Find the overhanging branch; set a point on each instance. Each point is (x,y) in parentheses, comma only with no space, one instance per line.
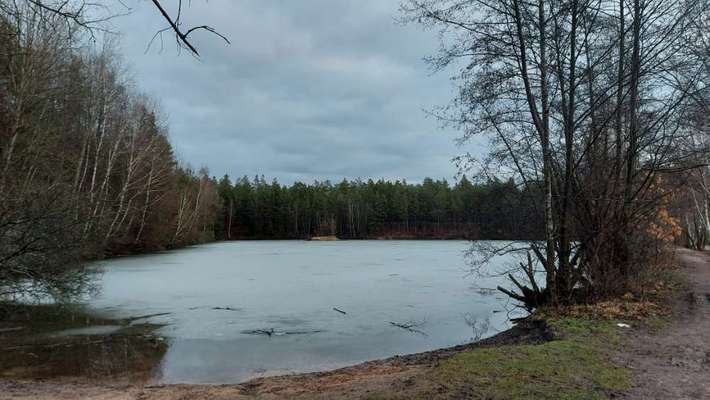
(183,38)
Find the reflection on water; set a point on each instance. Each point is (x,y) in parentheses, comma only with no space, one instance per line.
(34,344)
(98,358)
(479,327)
(228,312)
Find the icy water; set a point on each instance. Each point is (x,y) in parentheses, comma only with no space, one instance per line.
(236,310)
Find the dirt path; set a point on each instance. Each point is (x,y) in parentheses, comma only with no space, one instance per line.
(674,362)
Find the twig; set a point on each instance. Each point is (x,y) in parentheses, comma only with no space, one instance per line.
(183,37)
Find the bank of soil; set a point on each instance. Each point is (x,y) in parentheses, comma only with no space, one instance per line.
(584,360)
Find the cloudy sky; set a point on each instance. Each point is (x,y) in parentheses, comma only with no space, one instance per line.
(309,89)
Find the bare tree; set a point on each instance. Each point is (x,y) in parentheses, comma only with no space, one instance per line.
(585,100)
(86,168)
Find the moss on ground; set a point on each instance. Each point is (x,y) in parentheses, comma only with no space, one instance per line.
(575,366)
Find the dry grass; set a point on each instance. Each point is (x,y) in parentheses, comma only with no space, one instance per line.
(626,309)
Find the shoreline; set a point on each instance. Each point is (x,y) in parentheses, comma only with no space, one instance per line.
(373,238)
(583,356)
(366,373)
(112,255)
(570,357)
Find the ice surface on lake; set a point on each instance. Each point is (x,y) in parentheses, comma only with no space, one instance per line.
(242,309)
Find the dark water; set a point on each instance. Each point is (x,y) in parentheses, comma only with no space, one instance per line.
(227,312)
(65,343)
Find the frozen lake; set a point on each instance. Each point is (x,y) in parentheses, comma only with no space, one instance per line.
(237,310)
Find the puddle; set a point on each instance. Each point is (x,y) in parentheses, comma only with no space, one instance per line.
(90,358)
(66,344)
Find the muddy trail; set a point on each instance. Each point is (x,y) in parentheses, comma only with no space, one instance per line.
(674,361)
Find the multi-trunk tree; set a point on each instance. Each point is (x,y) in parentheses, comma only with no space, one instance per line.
(588,98)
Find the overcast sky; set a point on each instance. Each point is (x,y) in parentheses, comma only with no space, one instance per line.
(309,89)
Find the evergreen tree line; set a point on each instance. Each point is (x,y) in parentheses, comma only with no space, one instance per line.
(86,168)
(257,209)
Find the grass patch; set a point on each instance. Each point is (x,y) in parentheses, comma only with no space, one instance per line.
(575,366)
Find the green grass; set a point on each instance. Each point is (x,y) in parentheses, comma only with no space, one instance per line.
(575,366)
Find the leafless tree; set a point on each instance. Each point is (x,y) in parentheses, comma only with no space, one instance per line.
(585,101)
(86,168)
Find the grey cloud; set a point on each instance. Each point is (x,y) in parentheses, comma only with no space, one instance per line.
(310,89)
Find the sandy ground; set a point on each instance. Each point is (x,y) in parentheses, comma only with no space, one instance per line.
(668,363)
(674,362)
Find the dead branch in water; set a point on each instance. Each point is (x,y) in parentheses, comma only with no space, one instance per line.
(216,308)
(273,332)
(226,309)
(267,332)
(133,319)
(410,326)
